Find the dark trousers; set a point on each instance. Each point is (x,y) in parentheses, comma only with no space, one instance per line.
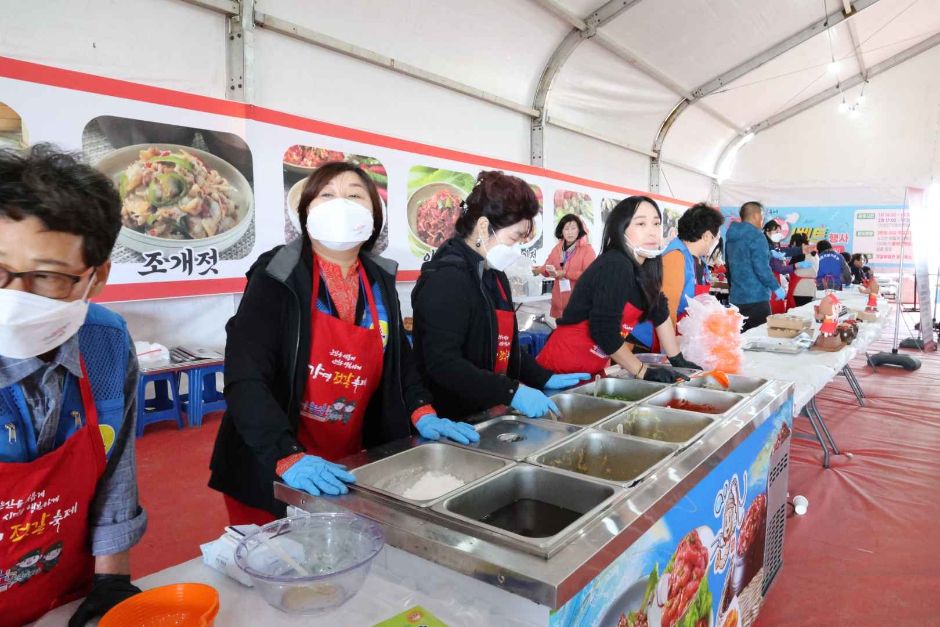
(755,314)
(802,300)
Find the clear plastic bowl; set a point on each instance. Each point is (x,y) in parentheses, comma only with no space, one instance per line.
(335,549)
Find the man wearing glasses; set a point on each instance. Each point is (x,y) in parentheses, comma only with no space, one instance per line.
(68,382)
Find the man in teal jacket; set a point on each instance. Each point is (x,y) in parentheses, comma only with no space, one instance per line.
(748,258)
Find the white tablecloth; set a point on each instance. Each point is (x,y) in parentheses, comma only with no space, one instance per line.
(811,371)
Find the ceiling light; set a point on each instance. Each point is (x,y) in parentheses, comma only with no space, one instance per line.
(833,67)
(854,112)
(843,106)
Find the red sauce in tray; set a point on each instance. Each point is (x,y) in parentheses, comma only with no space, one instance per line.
(681,403)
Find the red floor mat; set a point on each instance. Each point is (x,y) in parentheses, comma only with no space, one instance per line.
(866,551)
(182,512)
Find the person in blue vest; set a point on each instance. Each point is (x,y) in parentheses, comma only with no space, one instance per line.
(833,271)
(748,259)
(685,273)
(68,382)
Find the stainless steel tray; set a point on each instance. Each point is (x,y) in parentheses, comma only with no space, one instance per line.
(530,483)
(660,424)
(626,390)
(722,402)
(607,457)
(737,384)
(515,437)
(393,475)
(584,411)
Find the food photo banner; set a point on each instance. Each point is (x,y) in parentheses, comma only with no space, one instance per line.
(208,185)
(877,231)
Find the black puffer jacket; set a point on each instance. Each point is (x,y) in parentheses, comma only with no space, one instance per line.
(266,357)
(455,334)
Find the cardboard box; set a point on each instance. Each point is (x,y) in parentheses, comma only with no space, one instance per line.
(782,325)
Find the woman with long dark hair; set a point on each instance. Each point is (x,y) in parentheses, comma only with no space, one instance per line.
(622,288)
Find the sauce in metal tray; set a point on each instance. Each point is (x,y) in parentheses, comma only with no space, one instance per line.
(531,518)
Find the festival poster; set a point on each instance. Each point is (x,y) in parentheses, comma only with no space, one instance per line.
(207,184)
(186,195)
(702,563)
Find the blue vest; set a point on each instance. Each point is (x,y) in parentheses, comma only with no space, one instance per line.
(830,270)
(103,341)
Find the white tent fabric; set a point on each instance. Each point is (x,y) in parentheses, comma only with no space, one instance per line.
(618,86)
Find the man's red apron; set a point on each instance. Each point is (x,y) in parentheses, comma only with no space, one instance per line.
(571,349)
(344,371)
(505,328)
(45,505)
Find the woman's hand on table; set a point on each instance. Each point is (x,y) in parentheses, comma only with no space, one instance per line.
(433,428)
(531,402)
(679,361)
(565,381)
(316,476)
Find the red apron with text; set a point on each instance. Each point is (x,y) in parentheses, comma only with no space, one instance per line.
(794,280)
(777,306)
(505,327)
(344,371)
(45,559)
(571,349)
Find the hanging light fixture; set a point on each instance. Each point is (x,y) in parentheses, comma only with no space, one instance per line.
(833,67)
(843,106)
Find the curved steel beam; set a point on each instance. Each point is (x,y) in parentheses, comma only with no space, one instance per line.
(583,29)
(826,94)
(709,87)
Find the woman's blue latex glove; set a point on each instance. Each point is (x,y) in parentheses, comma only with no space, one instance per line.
(532,402)
(780,293)
(317,476)
(776,254)
(564,381)
(432,428)
(804,264)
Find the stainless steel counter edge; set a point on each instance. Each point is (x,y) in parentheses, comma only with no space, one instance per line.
(554,581)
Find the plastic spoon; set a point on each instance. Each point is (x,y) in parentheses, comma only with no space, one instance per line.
(283,556)
(597,379)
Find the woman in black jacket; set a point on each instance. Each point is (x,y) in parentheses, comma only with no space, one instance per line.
(312,379)
(466,337)
(622,288)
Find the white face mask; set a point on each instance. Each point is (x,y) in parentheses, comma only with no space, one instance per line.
(32,325)
(501,256)
(646,253)
(777,237)
(339,224)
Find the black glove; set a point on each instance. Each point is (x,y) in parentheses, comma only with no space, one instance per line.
(663,374)
(679,361)
(106,592)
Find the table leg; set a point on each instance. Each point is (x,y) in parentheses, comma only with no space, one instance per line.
(818,438)
(854,384)
(822,424)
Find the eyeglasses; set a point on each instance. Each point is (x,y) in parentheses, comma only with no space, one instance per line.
(56,285)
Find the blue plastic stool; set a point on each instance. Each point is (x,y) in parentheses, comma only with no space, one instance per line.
(526,342)
(202,398)
(538,342)
(165,404)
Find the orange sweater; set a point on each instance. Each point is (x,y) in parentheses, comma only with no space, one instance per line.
(673,281)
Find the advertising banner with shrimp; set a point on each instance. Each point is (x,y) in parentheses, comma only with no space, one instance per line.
(207,186)
(702,563)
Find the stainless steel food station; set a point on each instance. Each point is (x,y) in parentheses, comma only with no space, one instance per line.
(640,504)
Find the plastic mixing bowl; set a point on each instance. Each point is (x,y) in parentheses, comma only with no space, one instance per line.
(334,550)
